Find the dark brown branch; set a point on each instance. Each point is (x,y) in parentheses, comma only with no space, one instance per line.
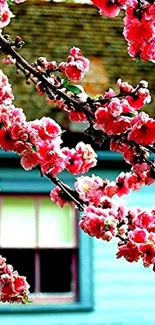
(8,48)
(150,148)
(70,193)
(121,238)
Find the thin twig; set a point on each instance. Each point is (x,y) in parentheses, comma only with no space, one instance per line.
(121,238)
(67,190)
(8,48)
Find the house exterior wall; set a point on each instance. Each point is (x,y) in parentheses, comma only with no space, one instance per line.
(123,293)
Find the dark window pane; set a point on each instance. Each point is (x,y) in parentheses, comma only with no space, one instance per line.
(22,261)
(56,270)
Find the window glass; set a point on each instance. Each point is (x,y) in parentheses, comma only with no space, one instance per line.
(56,270)
(17,222)
(23,261)
(56,225)
(39,239)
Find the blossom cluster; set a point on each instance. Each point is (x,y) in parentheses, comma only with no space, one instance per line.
(141,237)
(39,141)
(139,30)
(75,66)
(73,70)
(135,228)
(119,115)
(13,287)
(115,114)
(105,218)
(139,24)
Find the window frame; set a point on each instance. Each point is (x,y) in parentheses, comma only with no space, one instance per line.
(30,183)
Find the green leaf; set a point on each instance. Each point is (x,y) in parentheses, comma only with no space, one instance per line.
(96,97)
(137,60)
(131,114)
(106,227)
(9,2)
(28,300)
(66,82)
(34,149)
(1,125)
(74,89)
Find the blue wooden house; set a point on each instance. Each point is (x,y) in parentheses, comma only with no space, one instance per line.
(74,279)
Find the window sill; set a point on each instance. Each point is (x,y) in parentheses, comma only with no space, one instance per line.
(48,308)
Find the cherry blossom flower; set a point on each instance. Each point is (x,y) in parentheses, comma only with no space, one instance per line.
(75,116)
(129,251)
(138,235)
(74,70)
(14,288)
(143,134)
(107,7)
(6,95)
(90,189)
(80,159)
(139,30)
(56,195)
(96,222)
(76,65)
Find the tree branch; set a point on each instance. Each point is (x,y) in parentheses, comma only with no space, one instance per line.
(7,47)
(71,194)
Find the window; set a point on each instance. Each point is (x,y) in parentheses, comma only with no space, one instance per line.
(43,242)
(40,240)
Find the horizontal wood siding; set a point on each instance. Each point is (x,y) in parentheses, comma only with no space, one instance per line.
(124,293)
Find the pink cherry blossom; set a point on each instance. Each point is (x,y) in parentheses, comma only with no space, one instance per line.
(124,87)
(143,134)
(77,116)
(6,15)
(46,127)
(97,223)
(90,189)
(139,31)
(6,95)
(138,235)
(9,60)
(115,107)
(14,288)
(107,8)
(129,251)
(74,70)
(141,98)
(51,160)
(80,159)
(56,195)
(29,161)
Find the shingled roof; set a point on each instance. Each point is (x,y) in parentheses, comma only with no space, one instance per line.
(50,29)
